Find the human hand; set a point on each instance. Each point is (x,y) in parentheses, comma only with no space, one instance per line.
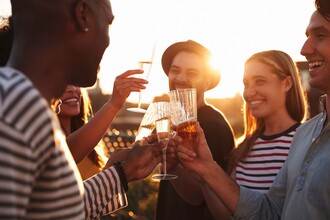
(171,158)
(141,160)
(119,154)
(124,85)
(195,162)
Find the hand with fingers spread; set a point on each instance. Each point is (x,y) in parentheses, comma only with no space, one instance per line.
(124,85)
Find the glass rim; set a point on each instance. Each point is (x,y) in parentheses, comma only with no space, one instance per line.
(183,89)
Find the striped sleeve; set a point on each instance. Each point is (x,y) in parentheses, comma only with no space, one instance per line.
(104,194)
(36,181)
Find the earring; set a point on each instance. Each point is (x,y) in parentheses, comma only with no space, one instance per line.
(86,29)
(58,108)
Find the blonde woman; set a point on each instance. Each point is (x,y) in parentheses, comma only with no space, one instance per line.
(274,108)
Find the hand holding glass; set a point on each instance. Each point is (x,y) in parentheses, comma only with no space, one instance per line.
(145,66)
(163,128)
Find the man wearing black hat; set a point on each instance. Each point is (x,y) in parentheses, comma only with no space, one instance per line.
(187,65)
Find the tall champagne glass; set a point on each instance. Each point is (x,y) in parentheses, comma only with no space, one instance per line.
(145,65)
(147,124)
(163,128)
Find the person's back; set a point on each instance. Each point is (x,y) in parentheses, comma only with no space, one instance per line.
(40,179)
(34,173)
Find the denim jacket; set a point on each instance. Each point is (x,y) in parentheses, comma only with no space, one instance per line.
(301,189)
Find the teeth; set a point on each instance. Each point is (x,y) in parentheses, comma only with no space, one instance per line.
(314,64)
(71,100)
(256,102)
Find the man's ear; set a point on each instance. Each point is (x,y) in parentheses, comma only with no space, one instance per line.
(82,12)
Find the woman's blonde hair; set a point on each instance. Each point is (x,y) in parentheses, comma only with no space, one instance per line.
(283,66)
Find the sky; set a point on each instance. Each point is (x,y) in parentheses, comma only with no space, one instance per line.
(232,30)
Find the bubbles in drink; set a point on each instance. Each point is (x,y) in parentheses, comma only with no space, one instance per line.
(146,66)
(144,131)
(187,129)
(163,127)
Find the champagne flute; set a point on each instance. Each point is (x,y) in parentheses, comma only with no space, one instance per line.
(145,65)
(147,124)
(163,128)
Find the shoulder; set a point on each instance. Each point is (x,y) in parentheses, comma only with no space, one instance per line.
(208,116)
(21,105)
(311,122)
(208,112)
(217,129)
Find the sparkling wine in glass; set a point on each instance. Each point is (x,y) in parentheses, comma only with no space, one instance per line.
(163,128)
(145,65)
(147,124)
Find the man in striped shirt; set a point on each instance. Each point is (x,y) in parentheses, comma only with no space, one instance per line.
(53,47)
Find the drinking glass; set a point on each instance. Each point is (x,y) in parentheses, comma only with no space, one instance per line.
(184,115)
(163,128)
(144,65)
(147,124)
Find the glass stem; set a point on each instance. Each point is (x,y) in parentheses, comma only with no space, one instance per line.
(139,104)
(164,160)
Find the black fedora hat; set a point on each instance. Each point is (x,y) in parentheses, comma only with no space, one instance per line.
(194,47)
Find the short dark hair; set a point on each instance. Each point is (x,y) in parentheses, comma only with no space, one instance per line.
(6,40)
(323,7)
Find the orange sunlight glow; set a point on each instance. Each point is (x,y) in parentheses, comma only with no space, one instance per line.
(232,30)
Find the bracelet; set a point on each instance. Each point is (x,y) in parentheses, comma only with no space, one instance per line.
(121,175)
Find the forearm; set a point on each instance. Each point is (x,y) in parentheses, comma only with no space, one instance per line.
(83,141)
(103,194)
(187,186)
(222,185)
(216,207)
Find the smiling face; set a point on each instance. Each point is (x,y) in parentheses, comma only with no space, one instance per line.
(317,52)
(264,92)
(71,102)
(187,71)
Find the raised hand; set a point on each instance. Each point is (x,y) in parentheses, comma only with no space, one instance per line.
(124,85)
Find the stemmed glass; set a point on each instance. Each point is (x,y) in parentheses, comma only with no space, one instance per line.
(145,65)
(163,128)
(147,124)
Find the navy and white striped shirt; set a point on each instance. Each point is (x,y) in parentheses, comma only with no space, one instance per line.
(38,176)
(258,170)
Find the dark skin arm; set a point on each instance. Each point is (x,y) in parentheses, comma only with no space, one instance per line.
(83,141)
